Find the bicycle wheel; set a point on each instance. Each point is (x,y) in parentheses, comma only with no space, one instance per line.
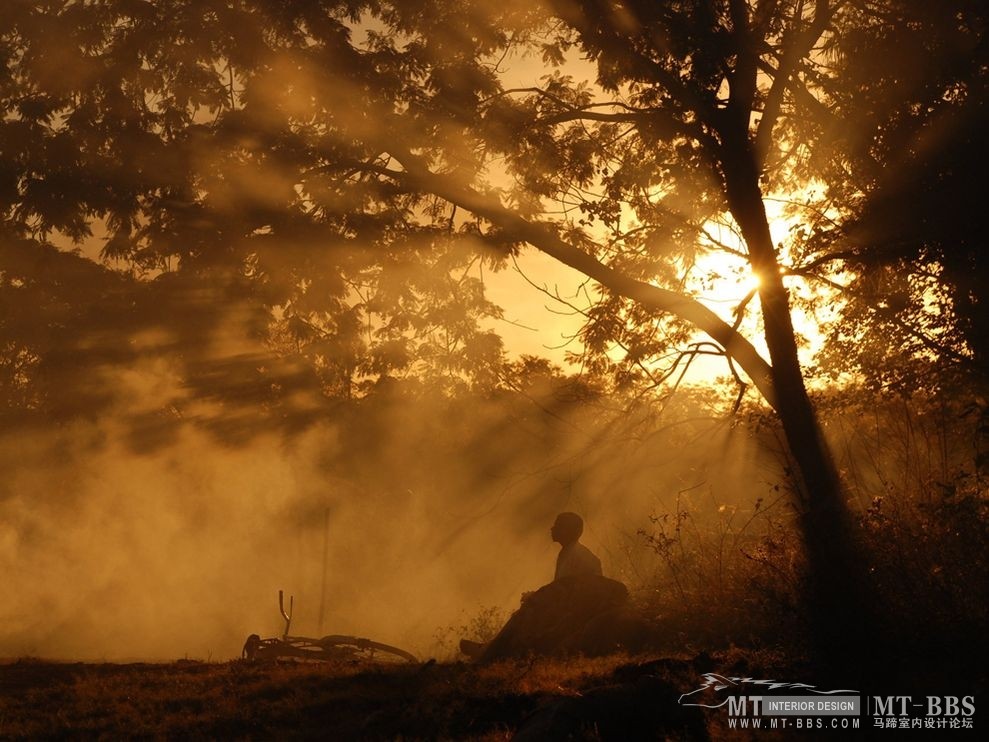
(367,647)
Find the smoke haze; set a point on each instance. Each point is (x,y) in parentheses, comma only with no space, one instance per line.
(429,508)
(268,372)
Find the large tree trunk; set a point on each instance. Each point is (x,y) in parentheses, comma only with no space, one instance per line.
(840,610)
(837,601)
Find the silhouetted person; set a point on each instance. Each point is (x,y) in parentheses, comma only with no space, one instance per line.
(575,612)
(574,559)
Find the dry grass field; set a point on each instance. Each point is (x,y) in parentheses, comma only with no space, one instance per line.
(617,697)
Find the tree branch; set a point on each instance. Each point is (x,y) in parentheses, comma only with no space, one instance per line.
(545,238)
(791,56)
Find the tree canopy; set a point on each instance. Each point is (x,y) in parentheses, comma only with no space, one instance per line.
(350,164)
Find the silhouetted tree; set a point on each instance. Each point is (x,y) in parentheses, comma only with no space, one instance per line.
(346,165)
(907,92)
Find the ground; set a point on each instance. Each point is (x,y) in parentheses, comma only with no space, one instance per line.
(616,697)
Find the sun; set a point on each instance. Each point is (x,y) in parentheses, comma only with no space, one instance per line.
(721,277)
(719,274)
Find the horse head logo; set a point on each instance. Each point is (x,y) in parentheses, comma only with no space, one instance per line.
(717,689)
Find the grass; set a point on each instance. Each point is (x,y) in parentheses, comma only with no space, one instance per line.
(240,700)
(617,697)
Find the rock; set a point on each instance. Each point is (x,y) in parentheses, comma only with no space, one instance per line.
(588,614)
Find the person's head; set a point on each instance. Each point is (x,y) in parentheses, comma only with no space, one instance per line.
(567,528)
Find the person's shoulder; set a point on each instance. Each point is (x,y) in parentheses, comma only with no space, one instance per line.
(589,556)
(585,551)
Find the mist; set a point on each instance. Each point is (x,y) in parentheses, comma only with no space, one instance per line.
(235,404)
(429,509)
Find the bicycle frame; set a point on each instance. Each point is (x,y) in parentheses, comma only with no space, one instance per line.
(327,648)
